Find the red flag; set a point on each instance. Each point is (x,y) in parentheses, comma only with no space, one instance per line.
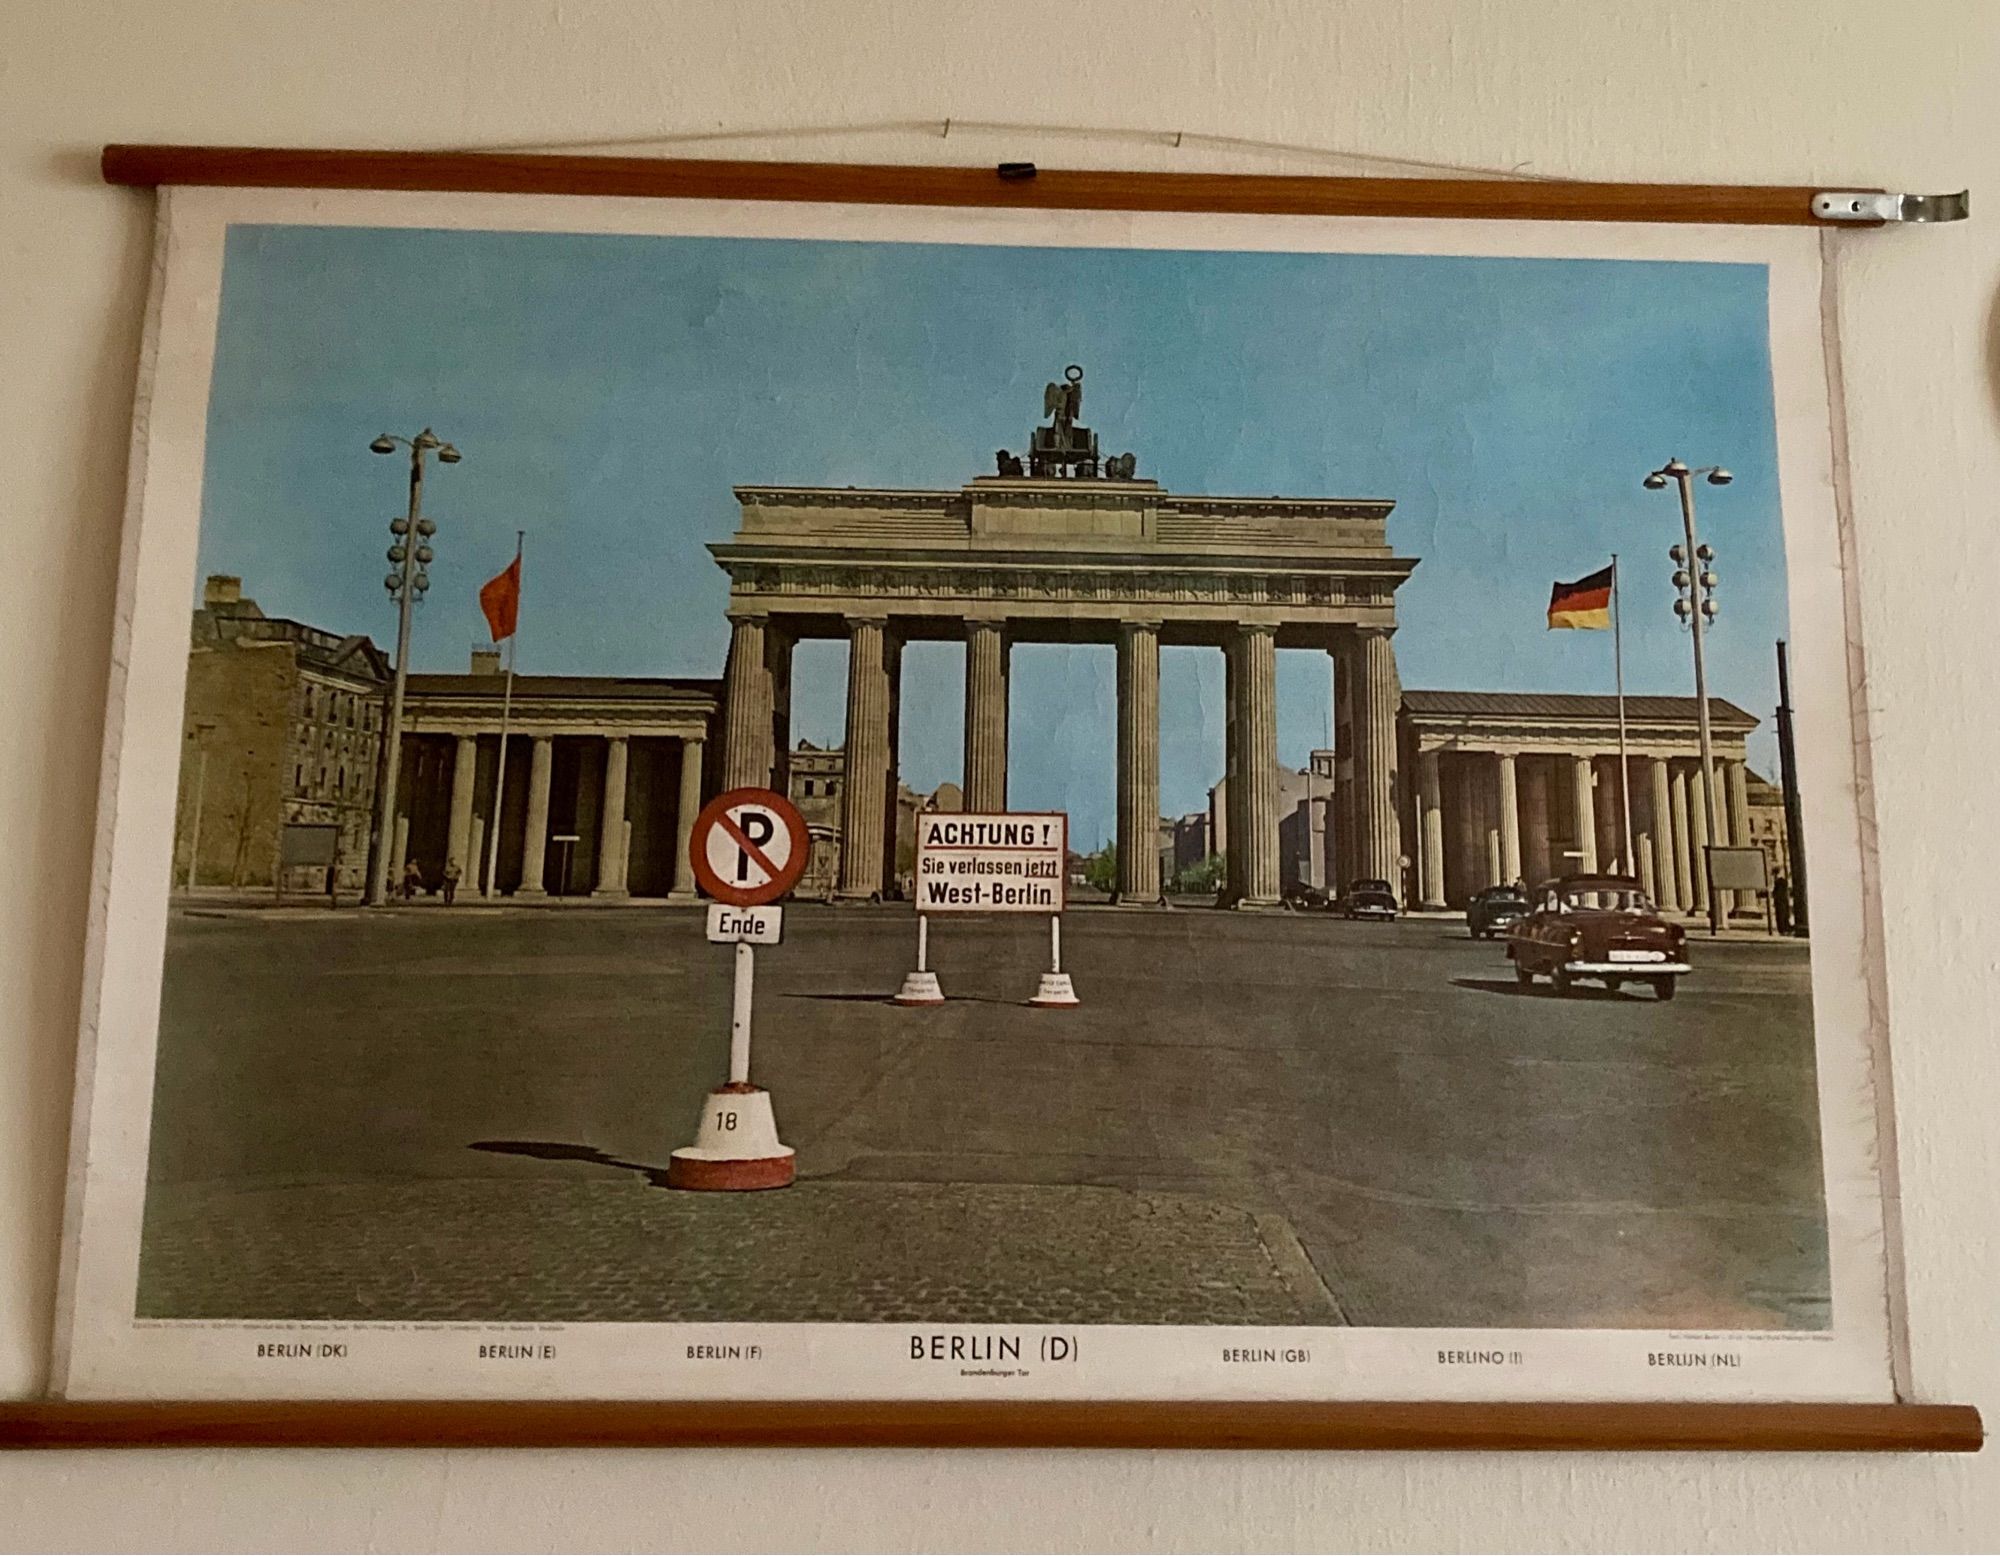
(500,598)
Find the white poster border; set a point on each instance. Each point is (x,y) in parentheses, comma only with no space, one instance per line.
(102,1351)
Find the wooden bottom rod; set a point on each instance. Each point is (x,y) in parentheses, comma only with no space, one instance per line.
(1012,1424)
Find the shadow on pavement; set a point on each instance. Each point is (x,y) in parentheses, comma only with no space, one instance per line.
(885,999)
(1538,990)
(562,1151)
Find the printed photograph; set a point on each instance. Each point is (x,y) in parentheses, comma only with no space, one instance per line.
(1385,657)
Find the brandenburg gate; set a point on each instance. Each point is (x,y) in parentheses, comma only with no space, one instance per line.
(1068,547)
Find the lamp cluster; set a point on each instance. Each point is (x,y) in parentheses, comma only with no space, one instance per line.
(1694,564)
(1694,588)
(399,553)
(409,554)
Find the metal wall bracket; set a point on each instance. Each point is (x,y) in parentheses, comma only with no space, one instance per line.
(1874,206)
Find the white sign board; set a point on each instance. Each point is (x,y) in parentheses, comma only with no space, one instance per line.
(745,926)
(998,863)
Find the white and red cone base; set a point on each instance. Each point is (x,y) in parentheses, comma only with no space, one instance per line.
(736,1147)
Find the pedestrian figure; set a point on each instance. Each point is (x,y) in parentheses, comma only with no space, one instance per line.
(413,880)
(451,875)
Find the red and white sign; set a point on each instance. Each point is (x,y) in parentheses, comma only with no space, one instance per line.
(1009,862)
(750,847)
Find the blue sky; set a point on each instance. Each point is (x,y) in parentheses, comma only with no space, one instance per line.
(608,392)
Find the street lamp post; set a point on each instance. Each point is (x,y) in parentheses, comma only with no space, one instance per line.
(409,553)
(202,730)
(1695,604)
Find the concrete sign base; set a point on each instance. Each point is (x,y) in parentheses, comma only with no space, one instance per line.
(920,988)
(736,1147)
(1055,989)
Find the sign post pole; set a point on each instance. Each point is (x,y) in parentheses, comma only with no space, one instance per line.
(921,987)
(739,1014)
(1056,988)
(749,848)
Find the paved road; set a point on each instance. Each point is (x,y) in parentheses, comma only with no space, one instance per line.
(1270,1119)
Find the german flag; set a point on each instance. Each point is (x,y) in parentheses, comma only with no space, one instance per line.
(1585,603)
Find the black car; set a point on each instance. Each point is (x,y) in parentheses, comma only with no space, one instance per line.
(1368,899)
(1303,897)
(1495,909)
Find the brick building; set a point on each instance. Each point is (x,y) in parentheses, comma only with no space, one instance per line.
(281,729)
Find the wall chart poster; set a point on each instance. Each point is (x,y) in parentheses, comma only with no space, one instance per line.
(1348,961)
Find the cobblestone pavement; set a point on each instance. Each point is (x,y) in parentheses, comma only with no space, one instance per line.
(465,1107)
(550,1252)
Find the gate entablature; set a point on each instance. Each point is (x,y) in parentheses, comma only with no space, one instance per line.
(1061,560)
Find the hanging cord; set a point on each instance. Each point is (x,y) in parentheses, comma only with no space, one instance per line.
(945,128)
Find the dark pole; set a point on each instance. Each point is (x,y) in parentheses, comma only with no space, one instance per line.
(1711,801)
(1788,771)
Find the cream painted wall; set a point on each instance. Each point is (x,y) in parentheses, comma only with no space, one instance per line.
(1904,94)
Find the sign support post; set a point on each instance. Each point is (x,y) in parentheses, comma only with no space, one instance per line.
(1056,987)
(921,987)
(739,1014)
(749,848)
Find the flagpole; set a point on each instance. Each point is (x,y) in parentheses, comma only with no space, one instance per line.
(1624,766)
(506,714)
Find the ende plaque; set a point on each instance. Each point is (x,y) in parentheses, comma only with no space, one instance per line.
(997,863)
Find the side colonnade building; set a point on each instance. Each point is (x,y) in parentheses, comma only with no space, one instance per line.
(605,775)
(1522,786)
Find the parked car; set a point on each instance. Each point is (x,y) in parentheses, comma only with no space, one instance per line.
(1304,897)
(1368,899)
(1494,909)
(1599,927)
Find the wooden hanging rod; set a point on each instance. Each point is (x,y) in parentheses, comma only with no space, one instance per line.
(1011,1424)
(265,167)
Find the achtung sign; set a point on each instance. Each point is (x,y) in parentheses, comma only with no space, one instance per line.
(1000,863)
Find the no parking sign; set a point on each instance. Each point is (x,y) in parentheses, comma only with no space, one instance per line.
(749,846)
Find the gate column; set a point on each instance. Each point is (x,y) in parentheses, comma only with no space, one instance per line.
(986,656)
(865,760)
(1377,692)
(1139,761)
(1254,690)
(747,755)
